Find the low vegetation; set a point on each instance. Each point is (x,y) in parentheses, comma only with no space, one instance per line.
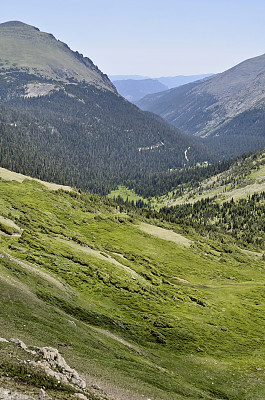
(166,321)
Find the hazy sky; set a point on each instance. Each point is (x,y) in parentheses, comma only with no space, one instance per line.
(150,37)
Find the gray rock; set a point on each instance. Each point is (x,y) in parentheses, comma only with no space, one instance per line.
(55,361)
(20,343)
(53,365)
(6,394)
(81,396)
(43,395)
(23,346)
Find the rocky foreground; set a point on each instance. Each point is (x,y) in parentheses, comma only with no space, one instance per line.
(50,362)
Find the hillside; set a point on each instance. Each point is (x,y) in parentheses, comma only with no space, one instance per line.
(139,311)
(228,197)
(70,126)
(226,111)
(231,201)
(24,47)
(243,177)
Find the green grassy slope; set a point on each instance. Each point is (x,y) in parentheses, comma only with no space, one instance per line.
(8,175)
(240,179)
(245,177)
(153,318)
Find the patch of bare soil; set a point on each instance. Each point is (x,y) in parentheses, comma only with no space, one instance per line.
(165,234)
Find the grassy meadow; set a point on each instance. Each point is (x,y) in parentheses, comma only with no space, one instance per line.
(138,314)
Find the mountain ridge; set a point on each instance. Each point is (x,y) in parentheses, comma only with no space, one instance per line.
(135,87)
(222,103)
(74,131)
(43,61)
(169,81)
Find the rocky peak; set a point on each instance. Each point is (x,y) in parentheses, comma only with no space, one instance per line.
(25,48)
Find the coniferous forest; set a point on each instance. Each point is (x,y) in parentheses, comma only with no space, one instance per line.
(244,219)
(86,137)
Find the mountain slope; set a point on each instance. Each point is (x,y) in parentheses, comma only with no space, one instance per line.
(234,179)
(32,51)
(70,126)
(179,80)
(230,201)
(227,110)
(139,311)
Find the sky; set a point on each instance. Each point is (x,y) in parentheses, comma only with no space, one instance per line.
(150,37)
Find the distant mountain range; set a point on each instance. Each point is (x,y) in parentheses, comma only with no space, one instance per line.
(226,110)
(62,119)
(169,81)
(133,90)
(134,87)
(125,77)
(175,81)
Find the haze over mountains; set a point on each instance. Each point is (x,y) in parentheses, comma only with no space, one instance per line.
(134,87)
(226,110)
(63,120)
(134,90)
(169,81)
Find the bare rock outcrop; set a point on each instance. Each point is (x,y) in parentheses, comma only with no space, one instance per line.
(55,365)
(6,394)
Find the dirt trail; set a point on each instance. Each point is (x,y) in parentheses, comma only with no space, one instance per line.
(165,234)
(11,224)
(7,175)
(181,279)
(98,254)
(115,337)
(36,271)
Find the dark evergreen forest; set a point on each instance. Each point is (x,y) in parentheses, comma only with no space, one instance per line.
(86,137)
(243,219)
